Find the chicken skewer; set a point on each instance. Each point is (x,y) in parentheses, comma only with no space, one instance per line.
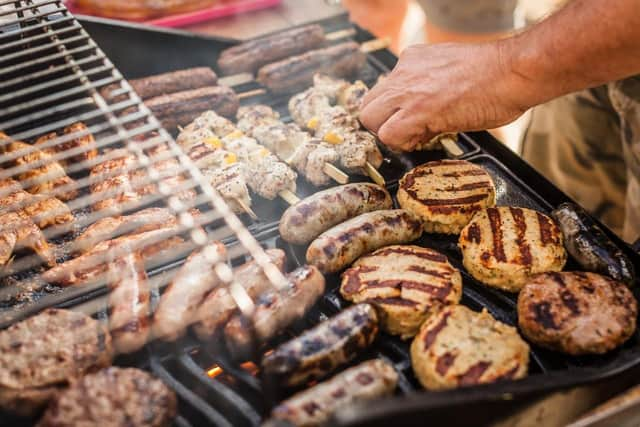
(218,165)
(265,174)
(358,149)
(350,95)
(310,156)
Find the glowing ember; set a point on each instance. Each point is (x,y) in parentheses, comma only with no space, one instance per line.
(250,367)
(214,371)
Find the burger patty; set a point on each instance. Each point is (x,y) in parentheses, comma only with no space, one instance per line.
(576,312)
(446,194)
(504,246)
(113,397)
(43,353)
(460,347)
(405,283)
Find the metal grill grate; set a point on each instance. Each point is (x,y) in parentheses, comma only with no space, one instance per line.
(51,75)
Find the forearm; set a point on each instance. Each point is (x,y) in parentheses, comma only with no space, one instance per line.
(587,43)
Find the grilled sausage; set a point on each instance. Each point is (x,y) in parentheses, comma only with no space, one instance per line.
(314,406)
(181,108)
(321,350)
(588,244)
(339,246)
(178,304)
(175,81)
(216,310)
(251,55)
(307,219)
(296,73)
(274,311)
(129,304)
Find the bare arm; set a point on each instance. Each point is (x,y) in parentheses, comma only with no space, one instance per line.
(456,87)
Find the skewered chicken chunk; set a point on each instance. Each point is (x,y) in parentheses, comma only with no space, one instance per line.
(225,174)
(265,173)
(312,110)
(48,176)
(306,154)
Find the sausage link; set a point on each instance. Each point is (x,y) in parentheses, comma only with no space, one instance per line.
(339,246)
(179,302)
(306,220)
(315,406)
(296,73)
(587,243)
(181,108)
(247,57)
(274,312)
(216,310)
(321,350)
(175,81)
(129,303)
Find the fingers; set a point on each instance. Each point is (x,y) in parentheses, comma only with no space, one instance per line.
(378,111)
(403,132)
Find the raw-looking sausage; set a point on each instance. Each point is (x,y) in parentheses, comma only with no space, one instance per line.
(179,302)
(314,406)
(307,219)
(339,246)
(216,310)
(274,311)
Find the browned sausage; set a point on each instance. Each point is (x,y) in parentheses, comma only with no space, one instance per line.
(175,81)
(249,56)
(181,108)
(296,73)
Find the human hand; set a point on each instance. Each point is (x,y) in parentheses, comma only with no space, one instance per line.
(443,88)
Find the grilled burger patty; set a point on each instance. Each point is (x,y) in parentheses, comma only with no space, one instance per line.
(576,312)
(43,353)
(446,194)
(113,397)
(405,283)
(460,347)
(503,247)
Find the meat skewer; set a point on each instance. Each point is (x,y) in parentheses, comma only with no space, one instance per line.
(350,95)
(220,166)
(311,157)
(249,56)
(265,174)
(358,149)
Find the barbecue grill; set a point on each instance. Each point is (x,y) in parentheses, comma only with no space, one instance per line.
(51,74)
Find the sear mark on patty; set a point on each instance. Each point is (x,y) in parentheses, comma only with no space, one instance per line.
(473,374)
(543,315)
(496,230)
(430,337)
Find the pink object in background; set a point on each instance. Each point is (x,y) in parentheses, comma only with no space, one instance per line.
(227,8)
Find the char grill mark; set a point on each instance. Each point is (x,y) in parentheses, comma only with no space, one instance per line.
(546,229)
(455,201)
(521,229)
(392,301)
(430,337)
(474,233)
(467,187)
(496,231)
(422,270)
(543,315)
(445,362)
(421,254)
(473,374)
(468,172)
(510,374)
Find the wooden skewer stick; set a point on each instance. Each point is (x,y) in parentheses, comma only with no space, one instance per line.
(375,44)
(341,34)
(251,93)
(336,174)
(289,197)
(375,175)
(246,208)
(451,146)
